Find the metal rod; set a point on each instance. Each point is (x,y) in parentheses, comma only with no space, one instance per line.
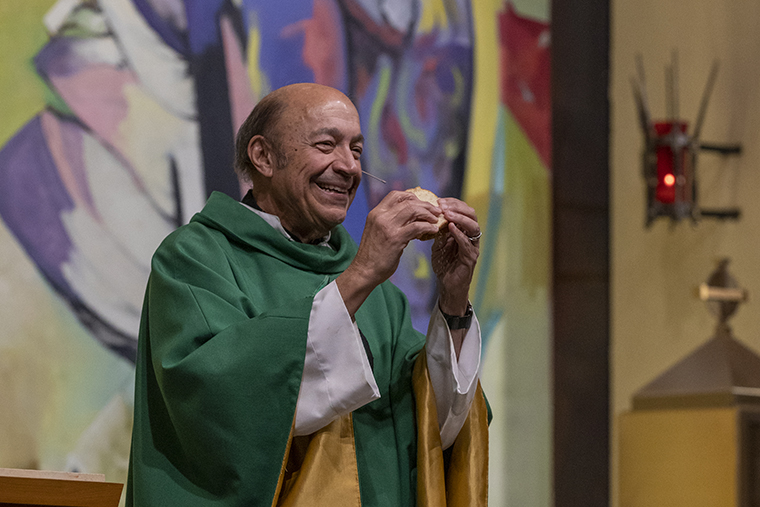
(675,92)
(373,176)
(723,149)
(643,117)
(643,89)
(721,214)
(712,293)
(669,93)
(705,99)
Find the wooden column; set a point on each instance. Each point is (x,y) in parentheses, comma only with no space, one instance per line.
(580,131)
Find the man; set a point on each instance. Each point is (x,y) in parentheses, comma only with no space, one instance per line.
(277,366)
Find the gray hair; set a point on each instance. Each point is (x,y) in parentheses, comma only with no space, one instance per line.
(263,121)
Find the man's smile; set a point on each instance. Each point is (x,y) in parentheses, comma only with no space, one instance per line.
(332,188)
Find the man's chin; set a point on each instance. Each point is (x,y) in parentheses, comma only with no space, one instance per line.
(335,212)
(333,222)
(330,221)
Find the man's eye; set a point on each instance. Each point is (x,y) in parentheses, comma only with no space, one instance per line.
(357,151)
(325,145)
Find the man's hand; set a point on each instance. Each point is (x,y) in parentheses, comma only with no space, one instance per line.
(391,225)
(455,253)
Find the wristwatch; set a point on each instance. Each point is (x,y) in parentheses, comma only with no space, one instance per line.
(456,322)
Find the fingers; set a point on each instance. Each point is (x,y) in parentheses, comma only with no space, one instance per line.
(463,216)
(468,248)
(455,253)
(412,217)
(455,205)
(403,211)
(396,220)
(410,202)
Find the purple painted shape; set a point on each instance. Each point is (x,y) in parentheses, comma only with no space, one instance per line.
(59,57)
(32,199)
(171,34)
(71,149)
(203,24)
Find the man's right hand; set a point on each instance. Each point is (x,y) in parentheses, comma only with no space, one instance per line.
(391,225)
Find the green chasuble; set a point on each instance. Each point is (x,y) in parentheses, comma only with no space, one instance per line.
(220,358)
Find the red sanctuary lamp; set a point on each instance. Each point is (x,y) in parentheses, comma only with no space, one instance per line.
(673,173)
(670,153)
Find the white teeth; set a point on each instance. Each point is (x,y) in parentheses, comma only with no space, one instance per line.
(332,189)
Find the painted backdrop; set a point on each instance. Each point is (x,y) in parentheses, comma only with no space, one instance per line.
(116,122)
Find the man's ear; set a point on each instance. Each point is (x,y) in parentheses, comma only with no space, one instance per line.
(261,155)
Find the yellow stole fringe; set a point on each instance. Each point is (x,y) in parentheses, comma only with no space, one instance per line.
(320,470)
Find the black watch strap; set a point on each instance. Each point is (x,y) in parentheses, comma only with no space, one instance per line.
(456,322)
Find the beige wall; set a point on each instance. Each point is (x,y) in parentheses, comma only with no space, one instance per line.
(656,319)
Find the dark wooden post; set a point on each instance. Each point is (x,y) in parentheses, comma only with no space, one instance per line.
(580,131)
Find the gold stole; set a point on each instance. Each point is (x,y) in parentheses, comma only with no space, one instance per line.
(465,483)
(320,470)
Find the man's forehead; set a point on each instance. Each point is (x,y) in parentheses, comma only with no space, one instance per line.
(304,96)
(333,118)
(311,108)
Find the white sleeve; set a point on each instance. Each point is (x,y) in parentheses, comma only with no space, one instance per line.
(337,378)
(454,382)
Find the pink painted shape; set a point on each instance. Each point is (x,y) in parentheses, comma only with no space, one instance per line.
(64,141)
(323,49)
(525,77)
(96,95)
(241,96)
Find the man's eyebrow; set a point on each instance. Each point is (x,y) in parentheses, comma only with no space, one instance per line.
(334,132)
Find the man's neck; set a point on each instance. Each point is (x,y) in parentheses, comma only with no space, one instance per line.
(250,200)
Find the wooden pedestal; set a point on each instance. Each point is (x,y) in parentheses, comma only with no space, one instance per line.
(35,488)
(695,457)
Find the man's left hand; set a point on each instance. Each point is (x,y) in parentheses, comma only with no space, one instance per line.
(455,252)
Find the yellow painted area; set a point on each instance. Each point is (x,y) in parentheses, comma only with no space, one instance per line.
(522,157)
(524,235)
(373,132)
(528,189)
(512,277)
(22,34)
(485,97)
(55,377)
(679,457)
(257,78)
(433,15)
(423,268)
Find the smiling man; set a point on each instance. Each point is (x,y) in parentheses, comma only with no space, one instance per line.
(278,366)
(306,170)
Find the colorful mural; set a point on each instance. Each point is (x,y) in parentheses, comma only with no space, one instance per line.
(407,65)
(508,181)
(122,123)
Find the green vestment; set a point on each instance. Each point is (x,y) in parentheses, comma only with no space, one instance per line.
(220,358)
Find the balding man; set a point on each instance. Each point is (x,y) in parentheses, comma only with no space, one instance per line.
(276,363)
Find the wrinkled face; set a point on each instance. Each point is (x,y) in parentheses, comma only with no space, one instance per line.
(321,146)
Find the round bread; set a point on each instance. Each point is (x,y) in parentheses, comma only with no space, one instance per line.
(428,196)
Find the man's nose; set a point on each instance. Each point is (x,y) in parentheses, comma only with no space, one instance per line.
(346,162)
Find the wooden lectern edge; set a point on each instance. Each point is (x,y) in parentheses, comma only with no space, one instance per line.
(51,474)
(36,488)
